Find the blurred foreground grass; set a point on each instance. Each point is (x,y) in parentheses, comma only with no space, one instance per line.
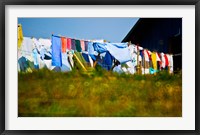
(98,94)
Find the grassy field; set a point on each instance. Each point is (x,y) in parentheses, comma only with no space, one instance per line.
(98,94)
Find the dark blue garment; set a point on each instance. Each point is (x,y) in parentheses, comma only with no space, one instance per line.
(86,57)
(108,61)
(86,45)
(73,47)
(56,51)
(141,53)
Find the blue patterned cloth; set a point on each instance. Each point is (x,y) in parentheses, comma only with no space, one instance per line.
(119,51)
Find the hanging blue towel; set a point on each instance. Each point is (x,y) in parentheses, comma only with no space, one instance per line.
(56,51)
(119,51)
(91,51)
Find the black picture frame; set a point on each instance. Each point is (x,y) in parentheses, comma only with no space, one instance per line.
(100,2)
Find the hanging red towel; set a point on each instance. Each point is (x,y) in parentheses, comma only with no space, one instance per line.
(166,60)
(64,44)
(160,62)
(69,43)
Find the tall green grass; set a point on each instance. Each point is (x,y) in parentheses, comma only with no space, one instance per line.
(99,93)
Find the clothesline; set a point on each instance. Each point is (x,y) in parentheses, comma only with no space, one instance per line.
(89,40)
(115,50)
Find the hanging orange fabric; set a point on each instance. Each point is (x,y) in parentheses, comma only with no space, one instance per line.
(64,44)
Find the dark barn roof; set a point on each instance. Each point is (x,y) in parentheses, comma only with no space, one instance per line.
(156,34)
(159,34)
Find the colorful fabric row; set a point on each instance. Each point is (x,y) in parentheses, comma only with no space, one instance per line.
(147,59)
(36,51)
(73,44)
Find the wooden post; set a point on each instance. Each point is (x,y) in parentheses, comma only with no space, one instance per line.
(95,63)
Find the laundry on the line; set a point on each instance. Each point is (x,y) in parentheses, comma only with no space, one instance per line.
(58,52)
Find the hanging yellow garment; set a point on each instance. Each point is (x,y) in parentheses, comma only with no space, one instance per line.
(20,35)
(154,61)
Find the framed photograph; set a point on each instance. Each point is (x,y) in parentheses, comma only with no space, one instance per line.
(103,67)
